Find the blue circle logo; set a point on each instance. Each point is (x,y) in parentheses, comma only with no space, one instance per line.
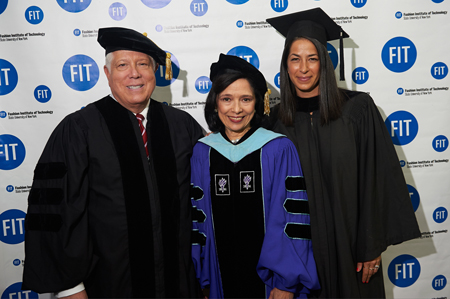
(239,24)
(34,15)
(440,143)
(80,72)
(245,53)
(42,94)
(160,73)
(237,2)
(437,1)
(74,5)
(360,75)
(399,54)
(439,70)
(402,126)
(76,32)
(8,77)
(276,80)
(400,91)
(12,224)
(358,3)
(439,282)
(402,163)
(440,215)
(199,7)
(203,84)
(10,188)
(333,54)
(414,195)
(156,3)
(159,28)
(12,152)
(398,15)
(404,270)
(3,5)
(16,262)
(15,291)
(3,114)
(117,11)
(279,5)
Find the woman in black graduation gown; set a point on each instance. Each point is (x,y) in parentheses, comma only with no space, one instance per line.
(359,202)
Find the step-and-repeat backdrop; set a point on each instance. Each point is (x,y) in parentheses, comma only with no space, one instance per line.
(52,65)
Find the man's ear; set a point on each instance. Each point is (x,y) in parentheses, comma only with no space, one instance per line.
(105,69)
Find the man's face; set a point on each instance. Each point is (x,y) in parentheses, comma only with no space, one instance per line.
(131,79)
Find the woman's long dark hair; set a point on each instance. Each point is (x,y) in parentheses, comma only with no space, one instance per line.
(220,84)
(331,98)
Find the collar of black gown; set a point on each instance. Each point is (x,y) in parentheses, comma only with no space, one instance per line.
(307,104)
(247,134)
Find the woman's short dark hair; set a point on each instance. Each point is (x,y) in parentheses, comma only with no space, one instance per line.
(331,98)
(221,82)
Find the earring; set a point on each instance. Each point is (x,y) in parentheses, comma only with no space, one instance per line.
(215,110)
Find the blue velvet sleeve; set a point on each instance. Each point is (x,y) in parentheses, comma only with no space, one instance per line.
(286,261)
(203,244)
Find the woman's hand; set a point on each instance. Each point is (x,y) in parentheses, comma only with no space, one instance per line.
(369,268)
(279,294)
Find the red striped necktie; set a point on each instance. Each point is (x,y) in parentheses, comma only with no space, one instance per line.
(140,118)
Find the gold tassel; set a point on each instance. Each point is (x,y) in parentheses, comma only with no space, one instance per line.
(266,102)
(145,34)
(169,74)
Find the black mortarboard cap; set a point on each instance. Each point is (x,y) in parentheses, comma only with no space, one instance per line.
(231,62)
(234,63)
(313,23)
(117,38)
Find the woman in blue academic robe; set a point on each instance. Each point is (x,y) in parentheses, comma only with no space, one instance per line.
(251,232)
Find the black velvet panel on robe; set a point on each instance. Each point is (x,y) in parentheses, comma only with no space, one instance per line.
(136,198)
(238,216)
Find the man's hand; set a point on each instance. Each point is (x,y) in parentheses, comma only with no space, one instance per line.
(79,295)
(279,294)
(369,268)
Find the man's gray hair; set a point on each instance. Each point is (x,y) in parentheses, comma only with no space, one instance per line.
(110,56)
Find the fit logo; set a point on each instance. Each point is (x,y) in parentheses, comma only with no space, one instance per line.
(279,5)
(399,54)
(12,224)
(402,126)
(8,77)
(203,84)
(117,11)
(12,152)
(404,270)
(199,7)
(439,70)
(34,15)
(80,72)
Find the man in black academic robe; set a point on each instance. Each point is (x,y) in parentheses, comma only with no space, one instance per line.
(106,218)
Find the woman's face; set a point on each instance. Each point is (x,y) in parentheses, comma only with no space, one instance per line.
(303,67)
(236,108)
